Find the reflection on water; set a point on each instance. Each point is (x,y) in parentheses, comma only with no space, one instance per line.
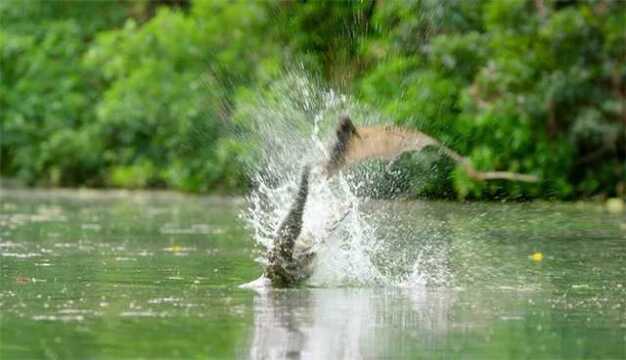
(345,323)
(426,323)
(138,275)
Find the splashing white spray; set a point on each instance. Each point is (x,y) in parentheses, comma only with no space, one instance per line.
(287,129)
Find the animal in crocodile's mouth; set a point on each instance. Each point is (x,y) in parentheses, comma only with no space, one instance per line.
(289,261)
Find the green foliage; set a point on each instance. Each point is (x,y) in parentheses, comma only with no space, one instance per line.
(142,105)
(520,89)
(45,94)
(166,89)
(324,36)
(131,94)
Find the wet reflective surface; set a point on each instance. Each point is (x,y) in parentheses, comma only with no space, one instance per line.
(126,275)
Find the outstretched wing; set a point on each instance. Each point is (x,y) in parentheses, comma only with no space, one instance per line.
(355,145)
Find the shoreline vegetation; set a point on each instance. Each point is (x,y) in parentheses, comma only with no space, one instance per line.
(152,94)
(597,203)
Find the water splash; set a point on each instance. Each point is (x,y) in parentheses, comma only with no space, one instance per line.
(290,126)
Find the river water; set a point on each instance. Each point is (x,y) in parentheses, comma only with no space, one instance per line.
(108,275)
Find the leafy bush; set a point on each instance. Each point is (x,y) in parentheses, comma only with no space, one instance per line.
(523,89)
(166,96)
(45,94)
(132,94)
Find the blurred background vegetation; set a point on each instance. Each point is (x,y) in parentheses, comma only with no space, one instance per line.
(140,94)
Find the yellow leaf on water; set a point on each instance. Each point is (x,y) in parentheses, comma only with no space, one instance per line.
(174,248)
(615,205)
(536,256)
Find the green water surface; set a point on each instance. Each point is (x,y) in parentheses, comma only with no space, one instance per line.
(110,275)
